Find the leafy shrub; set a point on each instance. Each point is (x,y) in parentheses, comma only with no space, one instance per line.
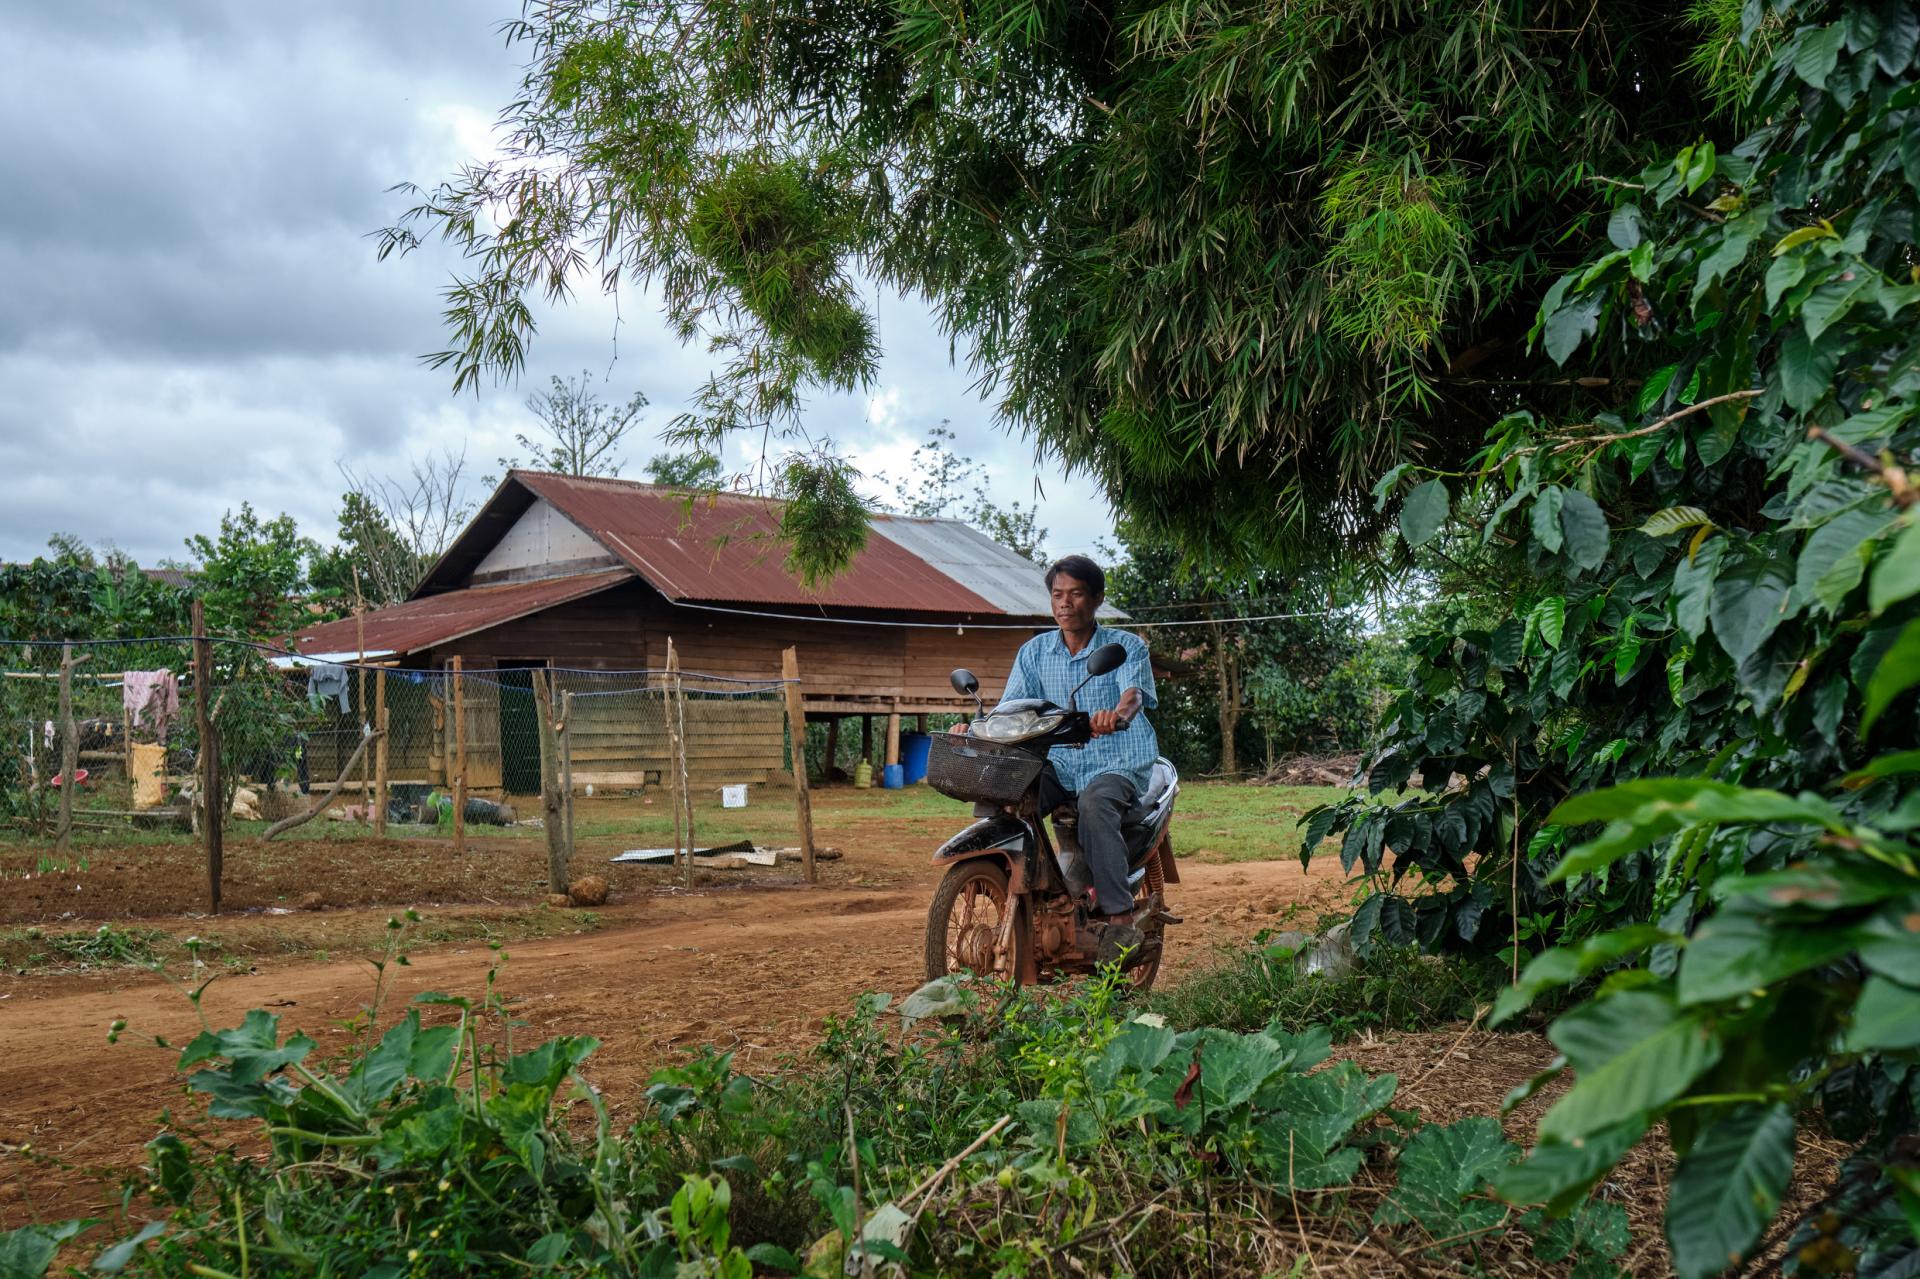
(1717,578)
(976,1131)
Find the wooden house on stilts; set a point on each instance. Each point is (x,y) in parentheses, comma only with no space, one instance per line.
(587,577)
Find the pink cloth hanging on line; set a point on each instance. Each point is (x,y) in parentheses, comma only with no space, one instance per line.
(151,693)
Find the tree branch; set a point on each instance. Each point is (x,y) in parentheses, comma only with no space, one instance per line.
(333,791)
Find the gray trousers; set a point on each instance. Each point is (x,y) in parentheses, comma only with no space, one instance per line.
(1101,805)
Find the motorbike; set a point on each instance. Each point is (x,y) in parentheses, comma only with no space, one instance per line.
(1015,903)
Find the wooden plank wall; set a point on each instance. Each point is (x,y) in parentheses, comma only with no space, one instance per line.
(620,737)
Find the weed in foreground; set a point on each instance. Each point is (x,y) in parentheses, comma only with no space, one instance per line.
(968,1130)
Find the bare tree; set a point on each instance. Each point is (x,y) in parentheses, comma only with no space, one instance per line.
(395,527)
(578,434)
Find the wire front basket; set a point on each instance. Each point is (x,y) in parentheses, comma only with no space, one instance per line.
(974,769)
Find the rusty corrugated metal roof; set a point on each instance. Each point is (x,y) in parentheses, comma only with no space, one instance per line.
(437,619)
(728,550)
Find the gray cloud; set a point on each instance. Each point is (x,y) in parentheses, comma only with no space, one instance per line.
(193,316)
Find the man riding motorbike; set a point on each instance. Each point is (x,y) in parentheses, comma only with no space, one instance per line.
(1102,779)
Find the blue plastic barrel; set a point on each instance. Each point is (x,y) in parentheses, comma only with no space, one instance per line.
(913,755)
(894,777)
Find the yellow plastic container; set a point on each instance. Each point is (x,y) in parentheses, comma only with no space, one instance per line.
(863,775)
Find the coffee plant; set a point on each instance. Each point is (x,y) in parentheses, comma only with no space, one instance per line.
(1678,761)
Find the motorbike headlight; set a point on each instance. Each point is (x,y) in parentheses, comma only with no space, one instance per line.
(1016,726)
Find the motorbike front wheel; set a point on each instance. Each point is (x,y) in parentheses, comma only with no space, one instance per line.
(969,910)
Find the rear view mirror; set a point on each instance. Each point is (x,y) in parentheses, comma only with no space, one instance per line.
(964,682)
(1108,657)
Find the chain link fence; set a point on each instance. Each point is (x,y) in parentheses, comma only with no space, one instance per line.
(389,747)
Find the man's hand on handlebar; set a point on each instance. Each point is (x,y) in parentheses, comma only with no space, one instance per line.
(1117,719)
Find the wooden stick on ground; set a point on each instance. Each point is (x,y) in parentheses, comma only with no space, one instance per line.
(333,792)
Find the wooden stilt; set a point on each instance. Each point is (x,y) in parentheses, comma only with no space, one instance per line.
(833,749)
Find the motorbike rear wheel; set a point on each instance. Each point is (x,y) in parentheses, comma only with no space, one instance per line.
(1142,974)
(964,921)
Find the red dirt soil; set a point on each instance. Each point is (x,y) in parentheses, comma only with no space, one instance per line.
(752,968)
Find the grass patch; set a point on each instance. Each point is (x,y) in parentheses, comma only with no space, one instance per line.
(1235,822)
(1393,990)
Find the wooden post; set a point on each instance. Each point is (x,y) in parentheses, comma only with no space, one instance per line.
(360,676)
(211,828)
(566,770)
(676,779)
(866,738)
(833,749)
(69,747)
(460,758)
(381,760)
(797,726)
(893,736)
(545,716)
(920,722)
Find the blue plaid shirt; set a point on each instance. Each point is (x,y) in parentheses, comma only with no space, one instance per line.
(1044,668)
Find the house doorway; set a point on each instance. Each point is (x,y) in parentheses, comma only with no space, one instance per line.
(519,728)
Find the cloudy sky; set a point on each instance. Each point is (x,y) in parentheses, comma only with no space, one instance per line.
(192,316)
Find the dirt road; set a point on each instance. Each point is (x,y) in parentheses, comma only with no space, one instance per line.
(753,970)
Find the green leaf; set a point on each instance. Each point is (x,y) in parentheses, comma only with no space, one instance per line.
(1897,672)
(1872,424)
(1559,1174)
(1585,528)
(1632,1053)
(1826,884)
(1741,948)
(1749,603)
(1814,59)
(1444,1173)
(1674,519)
(1630,798)
(1507,644)
(1546,516)
(1783,274)
(1424,511)
(1549,617)
(27,1252)
(1595,1234)
(1569,323)
(1833,547)
(1897,576)
(1693,580)
(1806,369)
(1564,965)
(1886,1017)
(115,1259)
(1623,226)
(1829,303)
(768,1254)
(1890,944)
(1799,236)
(1384,488)
(1727,1188)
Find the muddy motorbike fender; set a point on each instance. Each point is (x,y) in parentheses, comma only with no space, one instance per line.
(1002,835)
